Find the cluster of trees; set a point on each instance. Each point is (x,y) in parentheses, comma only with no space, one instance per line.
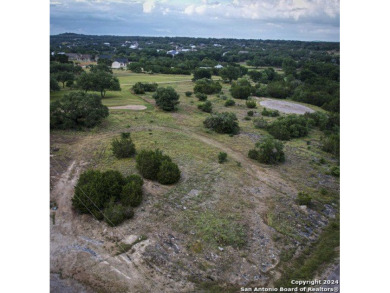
(140,88)
(63,72)
(77,110)
(108,195)
(99,79)
(225,122)
(154,165)
(207,86)
(268,151)
(166,98)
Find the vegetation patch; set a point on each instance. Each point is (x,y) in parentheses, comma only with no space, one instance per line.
(77,110)
(288,127)
(314,257)
(268,151)
(107,195)
(225,122)
(154,165)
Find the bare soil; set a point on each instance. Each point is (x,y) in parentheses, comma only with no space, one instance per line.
(285,107)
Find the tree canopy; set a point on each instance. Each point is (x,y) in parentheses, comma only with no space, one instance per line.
(76,110)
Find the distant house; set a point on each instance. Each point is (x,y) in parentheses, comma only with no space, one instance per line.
(134,46)
(106,44)
(219,66)
(243,52)
(79,57)
(85,57)
(119,63)
(172,52)
(72,56)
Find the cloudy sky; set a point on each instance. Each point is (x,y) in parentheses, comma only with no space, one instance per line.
(305,20)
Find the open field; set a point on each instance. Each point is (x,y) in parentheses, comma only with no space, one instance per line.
(250,205)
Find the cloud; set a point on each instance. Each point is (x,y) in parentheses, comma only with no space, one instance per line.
(148,6)
(273,19)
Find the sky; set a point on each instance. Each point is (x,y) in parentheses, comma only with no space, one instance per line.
(305,20)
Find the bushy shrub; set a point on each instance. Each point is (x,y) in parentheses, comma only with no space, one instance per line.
(260,123)
(270,113)
(154,165)
(123,148)
(132,191)
(107,195)
(331,144)
(207,86)
(279,89)
(206,107)
(77,110)
(116,213)
(148,163)
(141,88)
(251,104)
(222,157)
(241,89)
(188,94)
(250,113)
(268,151)
(166,98)
(291,126)
(224,122)
(229,103)
(201,73)
(168,173)
(201,97)
(303,199)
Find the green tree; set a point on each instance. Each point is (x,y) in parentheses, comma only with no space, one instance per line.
(100,81)
(201,73)
(207,86)
(166,98)
(64,76)
(76,110)
(54,84)
(230,73)
(241,89)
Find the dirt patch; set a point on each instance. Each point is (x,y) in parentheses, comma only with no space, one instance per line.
(129,107)
(285,107)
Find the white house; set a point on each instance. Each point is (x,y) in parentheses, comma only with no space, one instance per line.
(119,63)
(219,66)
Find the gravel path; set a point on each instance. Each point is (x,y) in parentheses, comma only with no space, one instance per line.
(285,107)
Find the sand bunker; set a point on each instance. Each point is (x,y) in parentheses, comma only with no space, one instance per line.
(128,107)
(286,107)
